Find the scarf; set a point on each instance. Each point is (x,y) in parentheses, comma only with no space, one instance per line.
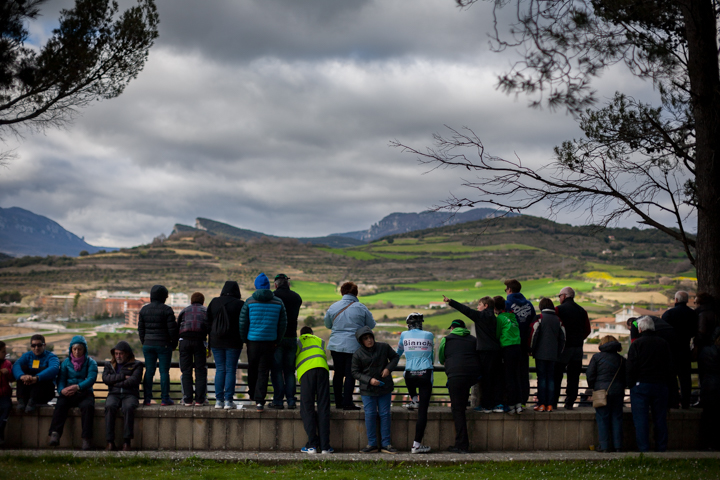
(77,363)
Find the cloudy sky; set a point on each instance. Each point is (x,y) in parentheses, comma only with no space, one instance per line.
(276,116)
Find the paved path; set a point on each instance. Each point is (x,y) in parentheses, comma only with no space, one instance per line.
(429,458)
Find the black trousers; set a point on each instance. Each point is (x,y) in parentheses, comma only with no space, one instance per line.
(459,389)
(315,386)
(85,401)
(710,422)
(128,404)
(343,381)
(420,381)
(260,360)
(573,369)
(193,355)
(682,363)
(491,380)
(523,373)
(511,360)
(39,393)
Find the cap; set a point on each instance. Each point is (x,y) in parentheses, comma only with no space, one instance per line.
(458,324)
(282,276)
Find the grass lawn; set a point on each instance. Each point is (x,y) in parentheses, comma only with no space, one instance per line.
(50,468)
(316,291)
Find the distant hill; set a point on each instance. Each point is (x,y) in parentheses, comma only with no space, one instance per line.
(228,231)
(397,223)
(23,232)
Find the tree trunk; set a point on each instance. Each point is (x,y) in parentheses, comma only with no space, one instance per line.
(704,75)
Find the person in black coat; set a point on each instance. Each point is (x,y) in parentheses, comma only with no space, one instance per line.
(159,336)
(577,328)
(282,373)
(224,342)
(684,321)
(709,361)
(606,371)
(122,375)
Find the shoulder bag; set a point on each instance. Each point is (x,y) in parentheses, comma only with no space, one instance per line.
(600,396)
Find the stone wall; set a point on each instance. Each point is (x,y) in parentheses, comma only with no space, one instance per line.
(205,428)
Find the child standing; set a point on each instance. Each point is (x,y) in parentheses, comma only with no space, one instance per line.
(6,377)
(509,337)
(194,328)
(314,376)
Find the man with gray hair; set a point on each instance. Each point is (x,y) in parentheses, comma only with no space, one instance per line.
(577,328)
(649,368)
(684,321)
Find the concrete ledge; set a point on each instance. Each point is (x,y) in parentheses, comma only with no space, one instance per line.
(192,429)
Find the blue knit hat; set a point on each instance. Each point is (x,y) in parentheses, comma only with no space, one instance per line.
(262,282)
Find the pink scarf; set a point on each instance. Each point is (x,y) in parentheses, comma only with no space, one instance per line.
(77,362)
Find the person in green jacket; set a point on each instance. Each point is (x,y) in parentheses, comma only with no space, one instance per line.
(313,374)
(508,333)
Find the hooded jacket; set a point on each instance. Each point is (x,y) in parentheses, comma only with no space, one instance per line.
(263,318)
(368,363)
(84,378)
(576,322)
(230,299)
(156,321)
(344,322)
(547,339)
(459,355)
(523,310)
(292,302)
(486,326)
(47,369)
(123,379)
(604,366)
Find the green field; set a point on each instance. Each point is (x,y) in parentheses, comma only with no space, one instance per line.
(316,291)
(193,468)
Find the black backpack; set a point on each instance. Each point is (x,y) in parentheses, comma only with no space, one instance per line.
(221,325)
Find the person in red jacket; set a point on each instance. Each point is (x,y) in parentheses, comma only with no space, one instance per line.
(6,377)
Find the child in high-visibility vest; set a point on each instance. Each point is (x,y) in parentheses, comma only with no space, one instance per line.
(313,374)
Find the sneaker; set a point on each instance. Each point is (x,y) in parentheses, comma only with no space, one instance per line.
(498,409)
(219,404)
(31,406)
(86,445)
(370,449)
(328,451)
(260,407)
(187,403)
(539,408)
(310,450)
(54,439)
(230,405)
(351,407)
(204,403)
(110,447)
(147,402)
(389,449)
(482,410)
(294,407)
(413,405)
(167,403)
(276,406)
(126,446)
(455,449)
(420,449)
(549,408)
(518,409)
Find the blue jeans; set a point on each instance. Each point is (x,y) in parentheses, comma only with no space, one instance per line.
(374,407)
(643,398)
(153,354)
(226,361)
(545,382)
(283,372)
(610,420)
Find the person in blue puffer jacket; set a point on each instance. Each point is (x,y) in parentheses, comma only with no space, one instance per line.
(77,376)
(35,372)
(417,345)
(344,318)
(263,320)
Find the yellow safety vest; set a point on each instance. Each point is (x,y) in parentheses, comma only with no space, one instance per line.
(310,354)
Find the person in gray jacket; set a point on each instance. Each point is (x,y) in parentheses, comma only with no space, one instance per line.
(607,369)
(344,318)
(372,365)
(547,340)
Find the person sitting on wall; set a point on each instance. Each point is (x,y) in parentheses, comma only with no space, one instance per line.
(122,375)
(314,376)
(78,373)
(35,372)
(6,377)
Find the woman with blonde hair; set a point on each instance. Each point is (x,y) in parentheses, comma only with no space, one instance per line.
(607,372)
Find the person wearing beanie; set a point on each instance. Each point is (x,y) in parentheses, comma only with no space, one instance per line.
(194,327)
(283,370)
(122,375)
(158,332)
(262,325)
(78,373)
(225,343)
